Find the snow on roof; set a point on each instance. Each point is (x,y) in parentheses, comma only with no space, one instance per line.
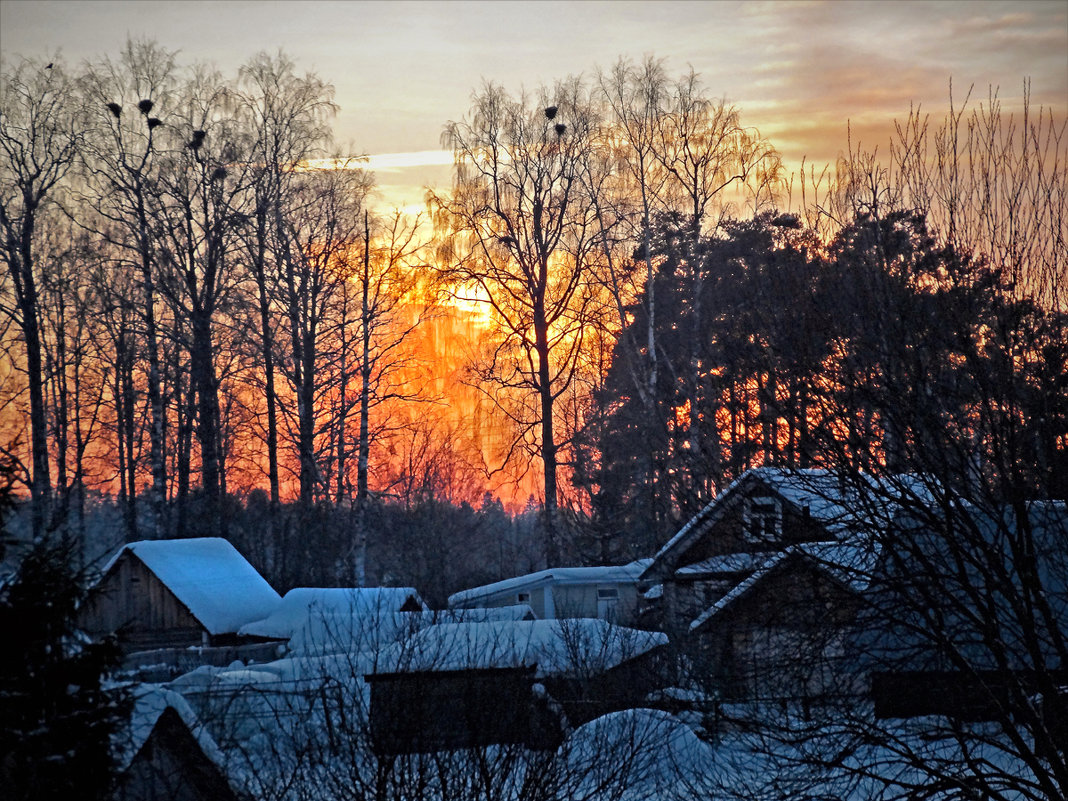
(726,563)
(302,603)
(207,574)
(831,498)
(149,702)
(555,647)
(850,564)
(853,563)
(740,589)
(614,574)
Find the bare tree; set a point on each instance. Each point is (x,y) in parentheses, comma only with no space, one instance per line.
(121,173)
(40,132)
(289,115)
(519,236)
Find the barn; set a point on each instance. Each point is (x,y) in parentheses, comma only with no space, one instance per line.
(175,594)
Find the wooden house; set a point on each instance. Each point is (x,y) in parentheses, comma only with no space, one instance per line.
(606,592)
(761,514)
(756,588)
(177,593)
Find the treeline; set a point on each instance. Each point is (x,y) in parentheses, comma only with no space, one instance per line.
(198,304)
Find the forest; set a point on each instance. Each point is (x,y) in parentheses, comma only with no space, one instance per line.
(623,302)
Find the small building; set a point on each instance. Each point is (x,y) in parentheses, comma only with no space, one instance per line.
(458,685)
(778,633)
(177,593)
(164,754)
(969,618)
(607,593)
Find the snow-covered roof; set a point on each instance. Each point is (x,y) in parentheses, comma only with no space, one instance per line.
(834,502)
(209,577)
(149,702)
(302,603)
(554,647)
(614,574)
(726,563)
(849,564)
(739,590)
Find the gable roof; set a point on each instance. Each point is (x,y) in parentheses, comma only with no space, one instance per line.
(614,574)
(830,500)
(850,565)
(150,702)
(209,577)
(301,604)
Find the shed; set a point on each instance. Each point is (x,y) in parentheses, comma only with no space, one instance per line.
(460,684)
(164,754)
(177,593)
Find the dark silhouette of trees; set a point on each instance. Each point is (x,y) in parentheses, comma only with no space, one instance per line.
(40,133)
(56,718)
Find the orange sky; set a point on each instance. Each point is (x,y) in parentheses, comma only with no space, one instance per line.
(798,70)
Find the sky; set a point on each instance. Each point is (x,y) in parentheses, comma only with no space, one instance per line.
(797,70)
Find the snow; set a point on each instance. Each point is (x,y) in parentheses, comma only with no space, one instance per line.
(149,702)
(739,590)
(215,583)
(612,574)
(646,753)
(835,503)
(302,604)
(727,563)
(849,563)
(554,647)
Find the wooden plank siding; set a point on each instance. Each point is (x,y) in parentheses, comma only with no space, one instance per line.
(136,606)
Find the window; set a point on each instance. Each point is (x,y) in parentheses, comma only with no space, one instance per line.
(763,518)
(522,598)
(607,600)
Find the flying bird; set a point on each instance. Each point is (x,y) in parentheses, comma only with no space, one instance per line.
(550,112)
(115,109)
(145,106)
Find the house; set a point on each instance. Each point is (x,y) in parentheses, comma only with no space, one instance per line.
(608,593)
(761,514)
(164,754)
(757,589)
(779,632)
(177,593)
(458,685)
